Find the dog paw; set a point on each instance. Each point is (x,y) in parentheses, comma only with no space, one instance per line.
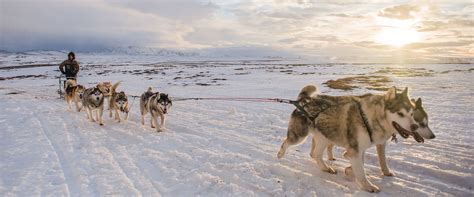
(101,124)
(348,172)
(330,170)
(371,188)
(332,159)
(152,126)
(280,154)
(388,173)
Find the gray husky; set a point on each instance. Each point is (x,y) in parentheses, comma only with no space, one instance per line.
(352,122)
(157,104)
(422,133)
(93,100)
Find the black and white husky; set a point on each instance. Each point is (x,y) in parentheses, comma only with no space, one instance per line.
(157,104)
(93,100)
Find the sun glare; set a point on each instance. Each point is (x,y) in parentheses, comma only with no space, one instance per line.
(397,37)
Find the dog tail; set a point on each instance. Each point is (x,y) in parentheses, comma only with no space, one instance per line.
(114,87)
(150,89)
(307,92)
(70,83)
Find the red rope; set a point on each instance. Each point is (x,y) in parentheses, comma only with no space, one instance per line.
(236,99)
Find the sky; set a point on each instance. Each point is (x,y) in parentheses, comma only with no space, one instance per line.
(341,30)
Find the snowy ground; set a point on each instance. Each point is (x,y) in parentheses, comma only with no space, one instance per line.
(220,148)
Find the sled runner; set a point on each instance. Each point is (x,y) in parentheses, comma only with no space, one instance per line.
(62,84)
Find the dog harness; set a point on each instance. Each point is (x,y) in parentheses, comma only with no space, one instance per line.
(322,105)
(364,119)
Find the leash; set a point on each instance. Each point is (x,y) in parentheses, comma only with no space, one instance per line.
(323,106)
(261,100)
(133,101)
(277,100)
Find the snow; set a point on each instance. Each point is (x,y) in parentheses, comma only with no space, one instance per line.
(217,148)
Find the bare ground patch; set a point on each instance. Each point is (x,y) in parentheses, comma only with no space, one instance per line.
(23,77)
(17,92)
(405,72)
(457,70)
(379,83)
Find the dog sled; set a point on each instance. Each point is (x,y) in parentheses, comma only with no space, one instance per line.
(62,84)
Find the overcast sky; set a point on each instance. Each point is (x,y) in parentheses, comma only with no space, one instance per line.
(328,28)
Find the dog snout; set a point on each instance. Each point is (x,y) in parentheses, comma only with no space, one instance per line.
(414,127)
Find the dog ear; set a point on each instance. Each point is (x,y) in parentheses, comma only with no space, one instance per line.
(391,93)
(103,90)
(418,103)
(405,95)
(405,92)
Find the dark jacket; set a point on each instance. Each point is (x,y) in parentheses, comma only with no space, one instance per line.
(70,68)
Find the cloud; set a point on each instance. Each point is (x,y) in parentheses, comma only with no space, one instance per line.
(183,10)
(424,45)
(401,12)
(442,25)
(348,15)
(333,28)
(372,45)
(214,37)
(289,40)
(85,25)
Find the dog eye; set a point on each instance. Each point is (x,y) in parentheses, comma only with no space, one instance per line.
(400,114)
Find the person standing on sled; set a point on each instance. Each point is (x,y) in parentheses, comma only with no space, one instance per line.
(70,67)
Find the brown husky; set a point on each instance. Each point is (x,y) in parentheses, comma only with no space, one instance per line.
(118,102)
(74,93)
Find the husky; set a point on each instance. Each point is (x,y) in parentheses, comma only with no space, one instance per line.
(93,100)
(352,122)
(421,117)
(157,104)
(422,133)
(118,102)
(74,92)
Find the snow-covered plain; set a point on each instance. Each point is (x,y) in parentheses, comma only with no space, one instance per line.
(217,148)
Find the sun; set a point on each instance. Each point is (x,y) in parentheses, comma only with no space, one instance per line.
(397,37)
